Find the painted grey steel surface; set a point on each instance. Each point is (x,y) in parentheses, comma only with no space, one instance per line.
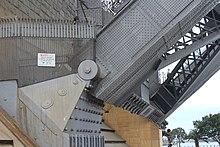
(135,104)
(193,70)
(48,9)
(19,55)
(209,70)
(20,27)
(8,97)
(172,93)
(37,130)
(204,32)
(86,141)
(88,70)
(86,119)
(136,39)
(91,9)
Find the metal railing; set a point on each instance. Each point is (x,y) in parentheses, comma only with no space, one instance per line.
(22,27)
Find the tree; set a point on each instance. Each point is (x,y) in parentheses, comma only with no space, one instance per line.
(210,126)
(195,134)
(165,132)
(179,134)
(163,127)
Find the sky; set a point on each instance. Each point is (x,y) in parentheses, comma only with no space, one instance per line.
(203,102)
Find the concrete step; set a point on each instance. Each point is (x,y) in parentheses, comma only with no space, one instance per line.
(105,127)
(111,137)
(116,145)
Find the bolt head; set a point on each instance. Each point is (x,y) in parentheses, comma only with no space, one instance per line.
(87,70)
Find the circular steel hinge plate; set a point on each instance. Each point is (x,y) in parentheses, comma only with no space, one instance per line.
(88,70)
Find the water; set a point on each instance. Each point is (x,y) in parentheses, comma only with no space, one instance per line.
(201,144)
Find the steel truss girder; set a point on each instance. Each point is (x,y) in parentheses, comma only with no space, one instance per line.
(126,63)
(204,32)
(183,76)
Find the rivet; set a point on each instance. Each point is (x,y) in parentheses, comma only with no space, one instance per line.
(62,92)
(75,81)
(86,90)
(91,86)
(71,130)
(5,99)
(47,103)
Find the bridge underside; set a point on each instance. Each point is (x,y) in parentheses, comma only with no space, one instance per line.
(101,55)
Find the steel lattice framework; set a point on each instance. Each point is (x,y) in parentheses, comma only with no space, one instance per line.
(190,67)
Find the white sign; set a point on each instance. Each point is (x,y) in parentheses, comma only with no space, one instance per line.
(45,59)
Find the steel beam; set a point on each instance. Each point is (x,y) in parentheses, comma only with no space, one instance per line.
(189,49)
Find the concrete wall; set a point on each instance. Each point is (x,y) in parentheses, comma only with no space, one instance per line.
(136,130)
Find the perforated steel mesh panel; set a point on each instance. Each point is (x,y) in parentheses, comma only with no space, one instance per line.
(156,11)
(173,6)
(126,39)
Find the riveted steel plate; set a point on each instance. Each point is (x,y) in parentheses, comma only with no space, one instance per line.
(86,118)
(45,100)
(136,40)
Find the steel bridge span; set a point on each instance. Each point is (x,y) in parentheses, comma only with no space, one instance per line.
(61,61)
